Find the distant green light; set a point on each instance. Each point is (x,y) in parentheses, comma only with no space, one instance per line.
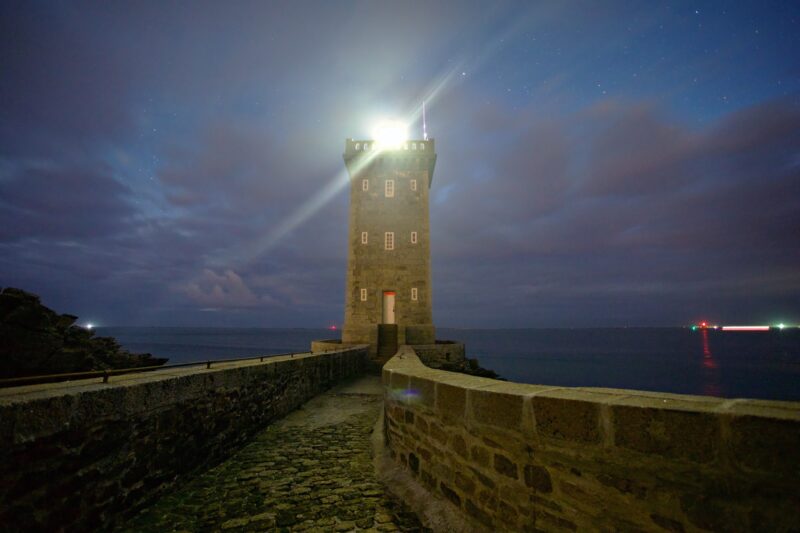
(694,328)
(781,325)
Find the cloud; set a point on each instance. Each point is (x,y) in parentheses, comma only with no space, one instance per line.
(620,202)
(225,290)
(229,167)
(634,150)
(152,164)
(772,125)
(51,202)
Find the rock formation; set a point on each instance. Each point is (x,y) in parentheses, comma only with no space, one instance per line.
(34,339)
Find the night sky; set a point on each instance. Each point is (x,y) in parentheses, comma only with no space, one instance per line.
(180,163)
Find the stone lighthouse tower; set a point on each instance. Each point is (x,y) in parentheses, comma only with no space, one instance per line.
(388,295)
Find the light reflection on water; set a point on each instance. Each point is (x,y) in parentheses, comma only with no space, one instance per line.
(711,385)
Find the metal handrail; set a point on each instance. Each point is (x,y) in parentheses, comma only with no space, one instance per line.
(105,374)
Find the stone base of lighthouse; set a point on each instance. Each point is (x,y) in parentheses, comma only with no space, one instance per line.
(383,338)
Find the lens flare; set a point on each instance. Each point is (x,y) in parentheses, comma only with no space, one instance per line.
(389,134)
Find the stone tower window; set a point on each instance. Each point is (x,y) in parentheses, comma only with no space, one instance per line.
(413,185)
(388,240)
(413,237)
(363,295)
(365,185)
(421,146)
(358,147)
(364,235)
(389,189)
(413,146)
(414,293)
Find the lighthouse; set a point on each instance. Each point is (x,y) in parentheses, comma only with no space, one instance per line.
(388,292)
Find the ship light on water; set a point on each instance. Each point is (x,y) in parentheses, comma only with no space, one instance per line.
(705,325)
(745,328)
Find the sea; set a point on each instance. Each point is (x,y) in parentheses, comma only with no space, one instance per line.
(727,364)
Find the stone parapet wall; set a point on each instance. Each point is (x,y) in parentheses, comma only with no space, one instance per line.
(327,345)
(528,457)
(80,456)
(443,353)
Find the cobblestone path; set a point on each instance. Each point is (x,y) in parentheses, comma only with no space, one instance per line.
(311,471)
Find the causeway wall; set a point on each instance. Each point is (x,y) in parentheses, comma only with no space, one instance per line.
(443,353)
(527,457)
(78,456)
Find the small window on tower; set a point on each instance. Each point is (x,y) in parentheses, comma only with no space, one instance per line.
(421,146)
(389,188)
(413,146)
(364,235)
(413,185)
(414,293)
(365,185)
(358,146)
(413,237)
(388,240)
(363,295)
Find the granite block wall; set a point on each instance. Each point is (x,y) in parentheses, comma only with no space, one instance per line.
(83,456)
(517,457)
(442,353)
(406,265)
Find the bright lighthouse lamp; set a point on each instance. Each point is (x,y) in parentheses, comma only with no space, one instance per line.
(389,134)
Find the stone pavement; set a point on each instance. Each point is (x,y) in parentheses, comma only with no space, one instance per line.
(311,471)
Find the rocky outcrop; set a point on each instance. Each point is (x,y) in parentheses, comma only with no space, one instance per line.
(37,340)
(472,367)
(451,356)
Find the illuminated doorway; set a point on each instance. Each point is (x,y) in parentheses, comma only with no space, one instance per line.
(388,307)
